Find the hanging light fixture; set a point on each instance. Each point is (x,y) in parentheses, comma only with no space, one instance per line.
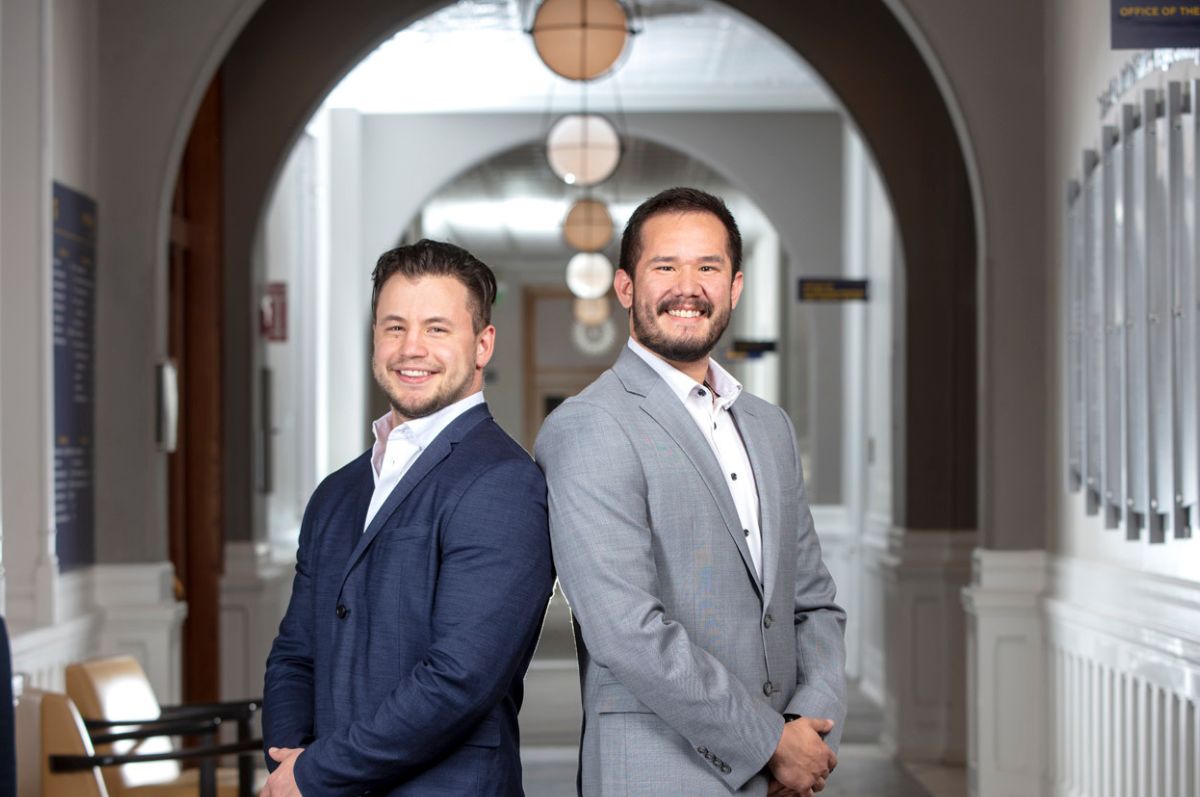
(589,275)
(588,226)
(583,149)
(580,39)
(595,339)
(590,312)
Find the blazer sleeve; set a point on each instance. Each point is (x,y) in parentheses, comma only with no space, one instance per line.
(600,532)
(820,622)
(494,580)
(288,697)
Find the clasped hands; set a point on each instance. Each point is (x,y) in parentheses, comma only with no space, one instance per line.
(802,761)
(282,782)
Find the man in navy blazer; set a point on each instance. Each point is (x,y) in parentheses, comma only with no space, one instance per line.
(423,570)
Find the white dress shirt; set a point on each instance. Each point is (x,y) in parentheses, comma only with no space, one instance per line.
(397,446)
(709,408)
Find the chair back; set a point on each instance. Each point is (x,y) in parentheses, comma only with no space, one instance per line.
(8,746)
(116,688)
(63,733)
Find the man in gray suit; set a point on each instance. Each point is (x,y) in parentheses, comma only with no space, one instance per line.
(710,646)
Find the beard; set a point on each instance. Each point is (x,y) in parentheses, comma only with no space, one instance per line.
(410,408)
(686,348)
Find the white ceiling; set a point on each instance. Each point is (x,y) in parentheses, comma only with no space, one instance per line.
(510,209)
(474,55)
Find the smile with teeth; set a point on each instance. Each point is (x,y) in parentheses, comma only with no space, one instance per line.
(684,313)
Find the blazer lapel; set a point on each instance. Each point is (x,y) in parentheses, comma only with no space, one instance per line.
(429,459)
(668,411)
(758,448)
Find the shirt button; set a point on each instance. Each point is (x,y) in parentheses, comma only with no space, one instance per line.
(341,611)
(700,392)
(767,621)
(733,476)
(746,532)
(768,688)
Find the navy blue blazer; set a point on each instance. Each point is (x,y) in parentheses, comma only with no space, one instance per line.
(399,663)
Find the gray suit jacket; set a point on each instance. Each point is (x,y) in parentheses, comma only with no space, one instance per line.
(688,663)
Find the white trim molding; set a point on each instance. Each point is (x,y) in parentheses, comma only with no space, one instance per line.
(105,610)
(1006,675)
(925,645)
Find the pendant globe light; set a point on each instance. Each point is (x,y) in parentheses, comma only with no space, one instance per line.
(580,39)
(583,149)
(590,312)
(588,226)
(589,275)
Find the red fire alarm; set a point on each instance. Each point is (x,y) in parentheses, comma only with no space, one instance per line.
(272,311)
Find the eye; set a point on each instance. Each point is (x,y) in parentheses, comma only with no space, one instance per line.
(438,330)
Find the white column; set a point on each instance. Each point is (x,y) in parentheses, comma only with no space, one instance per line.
(349,291)
(1006,673)
(925,645)
(26,351)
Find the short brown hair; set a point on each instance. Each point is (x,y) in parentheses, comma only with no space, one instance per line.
(440,259)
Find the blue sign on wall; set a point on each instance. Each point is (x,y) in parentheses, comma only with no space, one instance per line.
(74,376)
(1148,24)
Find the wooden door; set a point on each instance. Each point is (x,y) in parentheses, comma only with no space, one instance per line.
(195,343)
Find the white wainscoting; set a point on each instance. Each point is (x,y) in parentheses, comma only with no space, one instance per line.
(1123,672)
(254,595)
(872,603)
(925,644)
(104,610)
(842,554)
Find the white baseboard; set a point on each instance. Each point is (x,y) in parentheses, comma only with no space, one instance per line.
(923,573)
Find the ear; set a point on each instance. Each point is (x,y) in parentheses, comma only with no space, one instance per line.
(485,345)
(735,290)
(623,286)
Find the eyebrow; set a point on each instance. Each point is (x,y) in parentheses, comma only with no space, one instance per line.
(673,259)
(437,319)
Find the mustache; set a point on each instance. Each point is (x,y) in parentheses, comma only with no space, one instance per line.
(703,305)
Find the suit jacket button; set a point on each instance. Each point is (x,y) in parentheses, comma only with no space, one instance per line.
(702,750)
(767,621)
(768,688)
(341,611)
(725,769)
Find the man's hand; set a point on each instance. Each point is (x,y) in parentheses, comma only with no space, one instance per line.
(802,761)
(282,782)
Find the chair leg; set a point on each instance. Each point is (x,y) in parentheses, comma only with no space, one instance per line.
(208,778)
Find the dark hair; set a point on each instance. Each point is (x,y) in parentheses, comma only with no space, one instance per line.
(440,259)
(679,200)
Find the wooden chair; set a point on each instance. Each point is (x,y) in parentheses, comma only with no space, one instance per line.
(71,767)
(114,694)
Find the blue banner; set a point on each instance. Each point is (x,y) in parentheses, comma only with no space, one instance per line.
(74,376)
(1147,24)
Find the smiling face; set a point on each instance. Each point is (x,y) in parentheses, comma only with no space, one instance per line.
(427,353)
(683,289)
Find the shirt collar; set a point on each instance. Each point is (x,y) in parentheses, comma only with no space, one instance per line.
(722,382)
(421,431)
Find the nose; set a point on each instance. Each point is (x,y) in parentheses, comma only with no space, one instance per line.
(687,282)
(412,345)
